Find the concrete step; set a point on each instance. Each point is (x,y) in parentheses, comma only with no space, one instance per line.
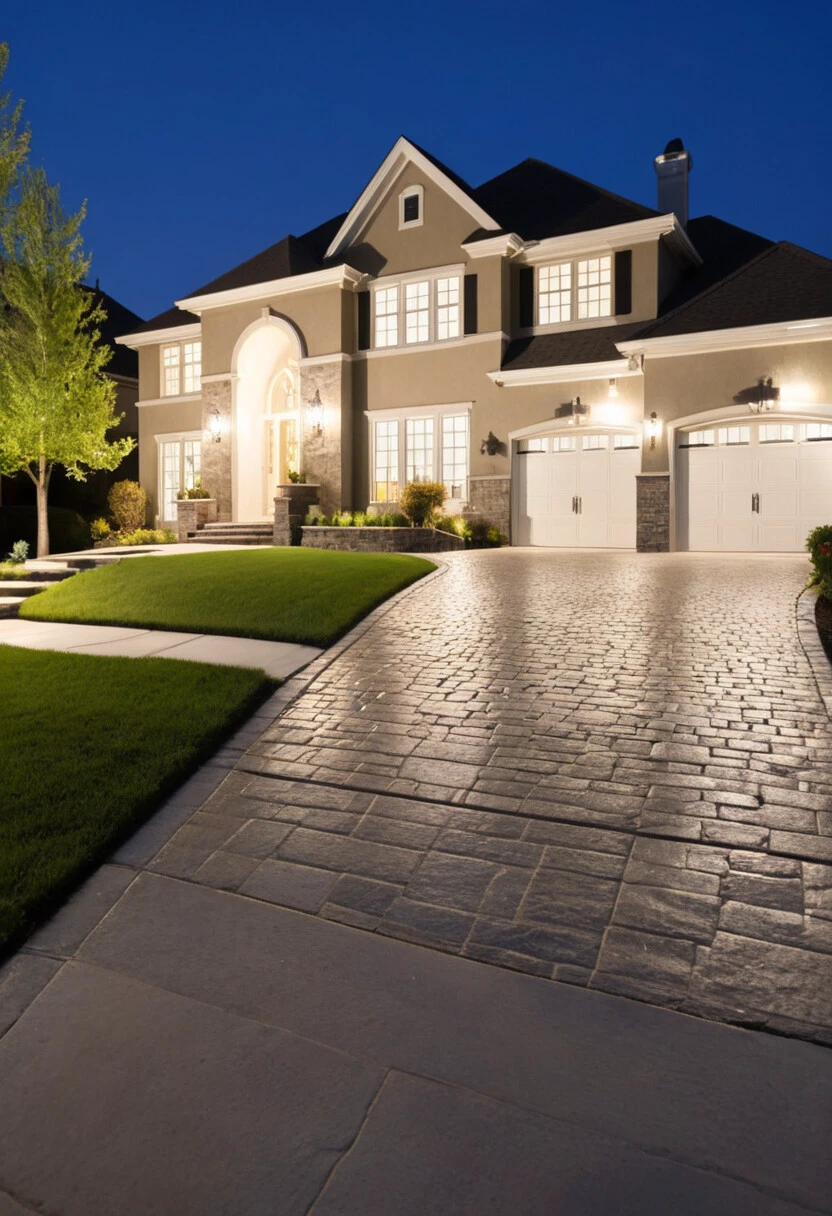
(230,538)
(20,588)
(9,605)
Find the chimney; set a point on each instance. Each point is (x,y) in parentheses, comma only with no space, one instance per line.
(672,170)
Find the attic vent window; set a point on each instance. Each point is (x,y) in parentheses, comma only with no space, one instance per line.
(411,207)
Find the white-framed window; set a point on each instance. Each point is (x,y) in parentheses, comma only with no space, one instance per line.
(387,316)
(625,441)
(447,308)
(555,293)
(417,312)
(729,435)
(594,279)
(564,443)
(386,461)
(181,368)
(534,445)
(776,432)
(595,443)
(180,465)
(818,430)
(455,445)
(698,439)
(412,207)
(419,449)
(579,290)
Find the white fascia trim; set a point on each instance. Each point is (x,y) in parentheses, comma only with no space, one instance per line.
(444,344)
(315,360)
(417,276)
(566,373)
(334,276)
(217,377)
(180,399)
(505,246)
(402,153)
(153,337)
(420,411)
(779,333)
(172,436)
(560,426)
(617,236)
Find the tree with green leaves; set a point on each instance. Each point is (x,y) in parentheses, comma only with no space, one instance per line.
(14,137)
(56,402)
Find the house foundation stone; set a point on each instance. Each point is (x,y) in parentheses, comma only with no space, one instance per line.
(653,512)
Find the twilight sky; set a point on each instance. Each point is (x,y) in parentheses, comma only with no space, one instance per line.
(202,132)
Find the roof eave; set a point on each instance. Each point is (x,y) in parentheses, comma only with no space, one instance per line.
(333,276)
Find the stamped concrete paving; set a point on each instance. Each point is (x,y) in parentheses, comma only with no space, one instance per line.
(600,768)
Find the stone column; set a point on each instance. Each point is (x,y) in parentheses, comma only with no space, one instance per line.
(490,496)
(653,512)
(327,457)
(193,514)
(290,508)
(216,456)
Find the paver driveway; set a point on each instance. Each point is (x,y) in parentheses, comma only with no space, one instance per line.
(605,768)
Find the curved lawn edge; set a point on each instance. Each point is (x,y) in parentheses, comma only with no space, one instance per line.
(304,596)
(93,746)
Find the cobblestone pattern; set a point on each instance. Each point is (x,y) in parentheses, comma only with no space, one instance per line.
(653,513)
(602,769)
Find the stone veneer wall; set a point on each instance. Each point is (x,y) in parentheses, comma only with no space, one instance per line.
(653,512)
(491,496)
(216,457)
(381,540)
(193,514)
(327,458)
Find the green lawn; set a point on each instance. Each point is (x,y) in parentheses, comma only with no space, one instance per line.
(88,748)
(287,595)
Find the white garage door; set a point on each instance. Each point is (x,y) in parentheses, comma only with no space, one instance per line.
(757,486)
(578,490)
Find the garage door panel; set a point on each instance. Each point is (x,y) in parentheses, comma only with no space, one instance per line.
(703,468)
(779,537)
(737,467)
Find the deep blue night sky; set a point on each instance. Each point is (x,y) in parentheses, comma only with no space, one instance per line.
(202,132)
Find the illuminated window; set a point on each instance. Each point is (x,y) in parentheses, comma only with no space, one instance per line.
(554,293)
(419,449)
(387,316)
(386,462)
(818,430)
(191,366)
(595,443)
(776,433)
(594,280)
(455,455)
(180,463)
(698,439)
(734,435)
(447,308)
(181,368)
(417,312)
(170,363)
(564,443)
(625,441)
(534,445)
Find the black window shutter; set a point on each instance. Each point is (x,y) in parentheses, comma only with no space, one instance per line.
(363,320)
(623,282)
(470,305)
(526,297)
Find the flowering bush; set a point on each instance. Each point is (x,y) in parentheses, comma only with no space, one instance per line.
(819,544)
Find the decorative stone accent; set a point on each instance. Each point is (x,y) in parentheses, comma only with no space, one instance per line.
(193,514)
(325,459)
(216,457)
(653,512)
(490,496)
(381,540)
(290,508)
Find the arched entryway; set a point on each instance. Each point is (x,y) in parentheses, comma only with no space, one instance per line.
(265,415)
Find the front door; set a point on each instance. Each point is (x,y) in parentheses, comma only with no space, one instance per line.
(280,455)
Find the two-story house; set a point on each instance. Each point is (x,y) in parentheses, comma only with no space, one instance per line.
(581,369)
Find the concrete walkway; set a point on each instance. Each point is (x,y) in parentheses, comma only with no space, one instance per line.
(277,659)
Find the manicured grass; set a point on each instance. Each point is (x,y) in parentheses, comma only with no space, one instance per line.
(13,570)
(89,747)
(287,595)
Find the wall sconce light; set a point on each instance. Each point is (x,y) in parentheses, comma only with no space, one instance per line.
(577,411)
(490,446)
(215,424)
(653,427)
(316,414)
(766,396)
(613,388)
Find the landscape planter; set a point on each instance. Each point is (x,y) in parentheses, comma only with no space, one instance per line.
(291,506)
(193,514)
(381,540)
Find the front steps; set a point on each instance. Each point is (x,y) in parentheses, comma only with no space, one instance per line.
(233,534)
(13,591)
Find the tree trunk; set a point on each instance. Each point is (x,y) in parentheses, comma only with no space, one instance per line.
(42,485)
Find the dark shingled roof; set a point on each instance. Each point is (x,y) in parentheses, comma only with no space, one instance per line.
(289,256)
(574,346)
(723,248)
(120,320)
(783,283)
(168,319)
(536,201)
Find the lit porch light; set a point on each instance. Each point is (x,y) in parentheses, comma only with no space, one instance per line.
(215,424)
(653,428)
(315,410)
(613,389)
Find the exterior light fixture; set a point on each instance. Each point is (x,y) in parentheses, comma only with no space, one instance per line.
(316,414)
(765,397)
(577,410)
(653,427)
(215,424)
(490,446)
(613,388)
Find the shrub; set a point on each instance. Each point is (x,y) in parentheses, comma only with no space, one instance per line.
(128,505)
(819,544)
(100,529)
(19,553)
(454,524)
(194,491)
(296,477)
(146,536)
(421,500)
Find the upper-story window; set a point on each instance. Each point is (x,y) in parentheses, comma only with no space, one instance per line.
(427,310)
(411,207)
(574,291)
(181,368)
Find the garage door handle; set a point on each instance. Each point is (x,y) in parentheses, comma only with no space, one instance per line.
(580,505)
(755,503)
(574,504)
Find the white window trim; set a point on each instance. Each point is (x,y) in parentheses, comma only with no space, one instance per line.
(181,343)
(437,413)
(401,282)
(574,320)
(179,437)
(409,192)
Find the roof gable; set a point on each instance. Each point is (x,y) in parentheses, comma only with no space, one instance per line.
(377,189)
